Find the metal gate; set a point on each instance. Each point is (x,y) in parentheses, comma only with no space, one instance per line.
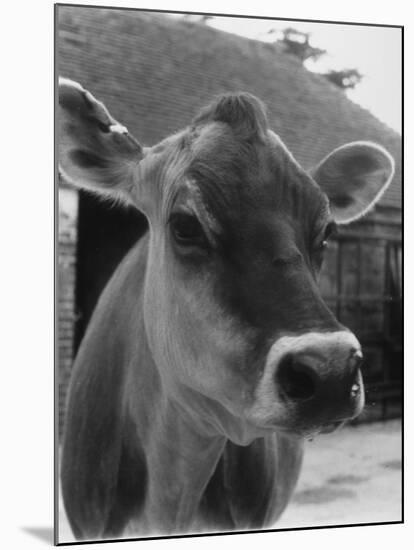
(362,284)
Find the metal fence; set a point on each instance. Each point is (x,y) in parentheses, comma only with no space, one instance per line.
(363,286)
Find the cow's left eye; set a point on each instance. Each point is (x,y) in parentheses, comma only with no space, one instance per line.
(186,230)
(321,245)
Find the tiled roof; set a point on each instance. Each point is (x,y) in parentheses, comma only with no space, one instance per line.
(154,73)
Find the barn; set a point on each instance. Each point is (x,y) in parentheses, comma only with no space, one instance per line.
(154,73)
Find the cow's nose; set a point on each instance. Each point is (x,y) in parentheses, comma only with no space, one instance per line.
(300,377)
(319,378)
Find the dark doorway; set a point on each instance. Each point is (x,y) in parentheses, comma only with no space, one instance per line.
(105,234)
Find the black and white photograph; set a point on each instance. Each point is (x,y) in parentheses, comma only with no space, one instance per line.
(229,274)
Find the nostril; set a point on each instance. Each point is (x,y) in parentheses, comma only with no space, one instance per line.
(296,379)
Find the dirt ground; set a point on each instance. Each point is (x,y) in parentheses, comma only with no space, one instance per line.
(351,476)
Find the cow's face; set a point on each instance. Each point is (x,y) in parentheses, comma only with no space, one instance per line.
(238,229)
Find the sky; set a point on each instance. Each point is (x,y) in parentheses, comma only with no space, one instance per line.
(374,51)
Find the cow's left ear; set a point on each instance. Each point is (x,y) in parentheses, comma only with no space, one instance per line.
(354,176)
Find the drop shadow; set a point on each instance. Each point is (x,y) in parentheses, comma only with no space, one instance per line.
(43,533)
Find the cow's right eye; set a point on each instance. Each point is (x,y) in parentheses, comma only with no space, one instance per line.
(187,231)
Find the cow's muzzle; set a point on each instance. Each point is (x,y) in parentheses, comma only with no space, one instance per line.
(317,377)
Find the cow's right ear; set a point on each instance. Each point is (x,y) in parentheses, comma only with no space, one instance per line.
(95,151)
(354,177)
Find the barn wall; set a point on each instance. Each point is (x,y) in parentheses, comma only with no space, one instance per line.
(362,271)
(384,222)
(66,265)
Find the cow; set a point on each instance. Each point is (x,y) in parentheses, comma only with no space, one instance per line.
(210,356)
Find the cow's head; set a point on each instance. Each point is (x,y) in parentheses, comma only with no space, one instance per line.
(233,314)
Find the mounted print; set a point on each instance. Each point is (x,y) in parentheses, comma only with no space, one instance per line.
(229,289)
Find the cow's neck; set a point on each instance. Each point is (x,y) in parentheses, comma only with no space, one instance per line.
(181,453)
(182,459)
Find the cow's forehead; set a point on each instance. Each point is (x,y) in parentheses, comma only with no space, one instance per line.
(241,179)
(236,178)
